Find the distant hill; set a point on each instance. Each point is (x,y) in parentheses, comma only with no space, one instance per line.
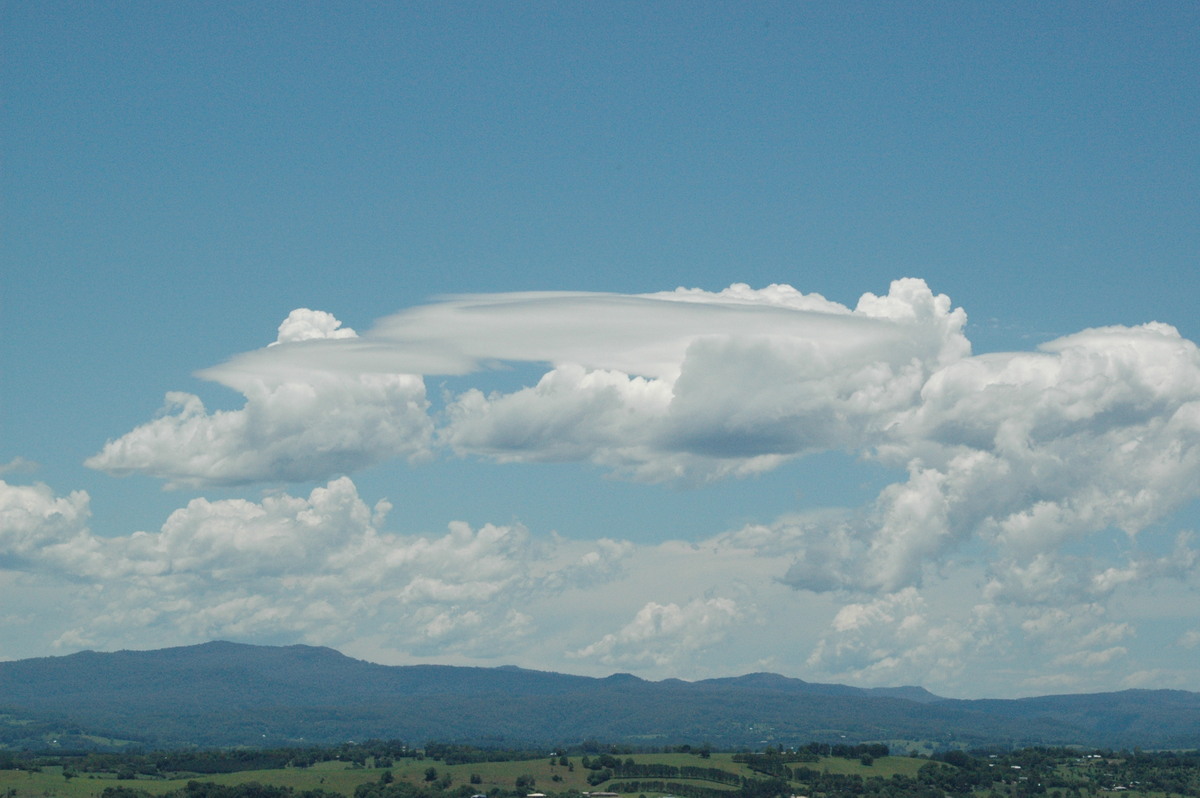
(223,694)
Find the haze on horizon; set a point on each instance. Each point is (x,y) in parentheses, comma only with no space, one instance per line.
(855,344)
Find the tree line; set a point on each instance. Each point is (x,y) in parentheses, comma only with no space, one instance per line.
(985,773)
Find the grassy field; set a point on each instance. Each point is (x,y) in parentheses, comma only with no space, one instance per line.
(343,778)
(331,776)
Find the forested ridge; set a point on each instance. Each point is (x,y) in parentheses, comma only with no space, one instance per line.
(225,694)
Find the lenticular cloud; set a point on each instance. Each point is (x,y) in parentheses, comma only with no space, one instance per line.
(688,384)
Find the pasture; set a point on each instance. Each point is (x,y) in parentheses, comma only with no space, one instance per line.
(341,777)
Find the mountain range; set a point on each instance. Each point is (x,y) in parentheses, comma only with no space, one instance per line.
(230,694)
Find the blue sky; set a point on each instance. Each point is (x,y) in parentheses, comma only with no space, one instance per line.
(638,479)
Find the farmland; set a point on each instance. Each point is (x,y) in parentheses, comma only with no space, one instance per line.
(366,771)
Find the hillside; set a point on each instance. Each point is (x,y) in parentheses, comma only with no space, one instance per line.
(220,693)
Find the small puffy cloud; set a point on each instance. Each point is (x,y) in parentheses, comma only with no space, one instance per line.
(234,539)
(303,324)
(826,548)
(18,465)
(472,633)
(895,639)
(1080,641)
(569,415)
(1126,401)
(1074,627)
(289,432)
(662,634)
(33,519)
(1160,679)
(1089,659)
(1053,578)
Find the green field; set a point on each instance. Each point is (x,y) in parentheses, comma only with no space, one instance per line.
(343,778)
(1024,773)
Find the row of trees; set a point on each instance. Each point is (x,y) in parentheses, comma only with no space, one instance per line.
(380,753)
(1026,773)
(207,789)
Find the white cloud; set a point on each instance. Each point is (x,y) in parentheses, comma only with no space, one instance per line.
(894,640)
(1016,474)
(664,633)
(1027,453)
(1079,642)
(303,324)
(718,384)
(32,519)
(569,415)
(18,465)
(1089,659)
(473,633)
(1053,578)
(323,568)
(676,385)
(692,386)
(1161,679)
(297,426)
(315,568)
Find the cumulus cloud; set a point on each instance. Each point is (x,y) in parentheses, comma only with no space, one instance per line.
(297,425)
(944,635)
(895,639)
(324,568)
(662,633)
(18,465)
(1011,467)
(304,324)
(317,568)
(34,521)
(695,385)
(1080,641)
(688,384)
(1027,453)
(570,415)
